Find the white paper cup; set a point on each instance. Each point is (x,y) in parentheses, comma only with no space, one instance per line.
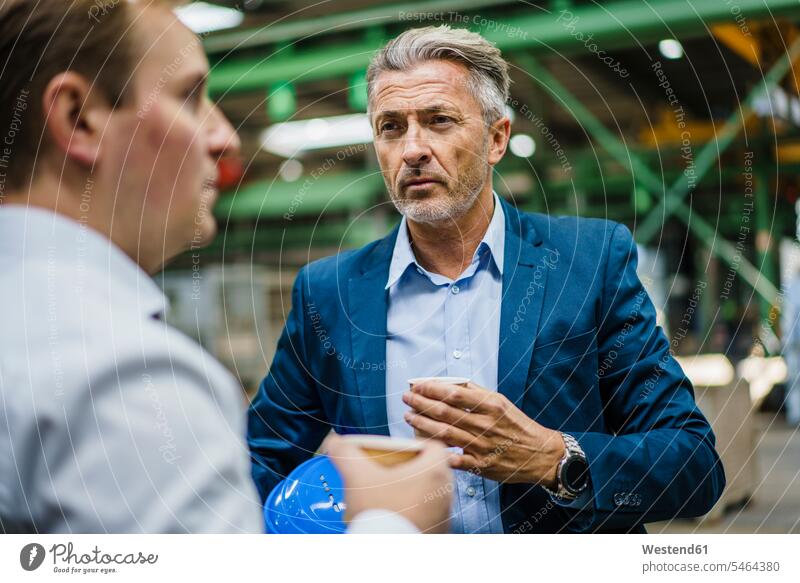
(460,381)
(387,451)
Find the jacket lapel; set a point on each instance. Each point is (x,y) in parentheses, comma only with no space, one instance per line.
(525,268)
(526,264)
(367,303)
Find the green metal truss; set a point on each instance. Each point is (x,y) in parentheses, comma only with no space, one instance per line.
(311,196)
(673,201)
(537,30)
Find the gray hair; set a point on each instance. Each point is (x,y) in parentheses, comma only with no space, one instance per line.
(488,79)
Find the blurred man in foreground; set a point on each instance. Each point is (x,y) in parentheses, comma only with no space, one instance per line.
(113,421)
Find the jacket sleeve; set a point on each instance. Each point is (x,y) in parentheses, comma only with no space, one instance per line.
(658,461)
(286,420)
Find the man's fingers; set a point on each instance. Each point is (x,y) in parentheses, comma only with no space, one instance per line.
(473,397)
(440,411)
(432,452)
(331,439)
(349,459)
(451,435)
(464,462)
(335,446)
(433,455)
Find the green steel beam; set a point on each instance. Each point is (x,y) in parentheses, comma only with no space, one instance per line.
(641,173)
(243,76)
(726,251)
(308,197)
(764,219)
(614,25)
(618,185)
(341,21)
(281,102)
(613,144)
(343,233)
(714,148)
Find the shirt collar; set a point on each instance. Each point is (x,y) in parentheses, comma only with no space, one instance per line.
(32,234)
(494,239)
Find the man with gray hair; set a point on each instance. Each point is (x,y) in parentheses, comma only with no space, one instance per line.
(575,416)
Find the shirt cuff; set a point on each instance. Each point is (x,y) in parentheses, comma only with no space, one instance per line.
(381,522)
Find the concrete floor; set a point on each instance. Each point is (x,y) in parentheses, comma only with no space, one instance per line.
(775,507)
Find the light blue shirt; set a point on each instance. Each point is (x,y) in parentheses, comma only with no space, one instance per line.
(442,327)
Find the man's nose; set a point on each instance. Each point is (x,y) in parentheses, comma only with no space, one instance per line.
(416,150)
(224,141)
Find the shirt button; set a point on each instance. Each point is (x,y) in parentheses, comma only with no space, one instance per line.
(470,491)
(456,354)
(455,289)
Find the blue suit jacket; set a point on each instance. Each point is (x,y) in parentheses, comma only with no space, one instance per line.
(580,352)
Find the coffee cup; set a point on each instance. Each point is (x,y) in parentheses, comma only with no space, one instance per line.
(460,381)
(387,451)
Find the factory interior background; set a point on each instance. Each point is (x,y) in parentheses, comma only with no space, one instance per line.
(681,121)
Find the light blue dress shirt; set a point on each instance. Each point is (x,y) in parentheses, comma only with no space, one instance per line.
(442,327)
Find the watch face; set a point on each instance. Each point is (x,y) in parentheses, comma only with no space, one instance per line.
(575,473)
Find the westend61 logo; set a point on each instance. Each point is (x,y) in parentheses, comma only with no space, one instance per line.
(66,560)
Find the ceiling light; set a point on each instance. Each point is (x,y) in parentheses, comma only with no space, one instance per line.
(291,170)
(202,17)
(293,137)
(522,145)
(670,48)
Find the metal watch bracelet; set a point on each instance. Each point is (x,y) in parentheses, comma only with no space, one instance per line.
(571,448)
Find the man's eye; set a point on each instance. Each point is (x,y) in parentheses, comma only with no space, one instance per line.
(441,119)
(194,96)
(388,126)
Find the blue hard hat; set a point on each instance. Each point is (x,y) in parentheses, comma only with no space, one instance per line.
(309,501)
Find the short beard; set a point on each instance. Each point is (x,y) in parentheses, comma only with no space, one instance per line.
(460,199)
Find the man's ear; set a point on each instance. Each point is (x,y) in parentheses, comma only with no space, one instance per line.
(499,134)
(75,117)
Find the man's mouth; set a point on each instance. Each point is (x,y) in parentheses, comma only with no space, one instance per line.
(211,186)
(420,182)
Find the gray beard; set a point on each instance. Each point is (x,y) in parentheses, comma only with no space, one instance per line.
(438,211)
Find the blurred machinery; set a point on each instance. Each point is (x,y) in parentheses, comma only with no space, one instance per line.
(724,399)
(233,311)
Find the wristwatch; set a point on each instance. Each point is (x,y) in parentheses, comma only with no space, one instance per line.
(572,476)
